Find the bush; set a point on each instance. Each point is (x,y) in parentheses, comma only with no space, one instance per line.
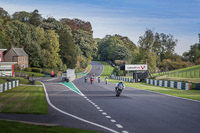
(38,70)
(29,69)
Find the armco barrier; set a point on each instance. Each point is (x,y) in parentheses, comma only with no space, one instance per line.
(9,85)
(172,84)
(122,78)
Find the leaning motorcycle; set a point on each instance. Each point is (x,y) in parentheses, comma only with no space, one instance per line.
(118,90)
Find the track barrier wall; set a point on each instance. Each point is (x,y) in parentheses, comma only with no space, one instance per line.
(172,84)
(9,85)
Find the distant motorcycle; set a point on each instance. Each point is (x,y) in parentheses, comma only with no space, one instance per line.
(118,90)
(99,79)
(106,80)
(85,79)
(91,80)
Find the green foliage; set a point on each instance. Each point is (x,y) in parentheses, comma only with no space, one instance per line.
(38,70)
(29,69)
(194,54)
(68,49)
(2,80)
(18,127)
(112,48)
(86,43)
(155,47)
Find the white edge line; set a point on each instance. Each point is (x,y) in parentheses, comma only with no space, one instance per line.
(76,117)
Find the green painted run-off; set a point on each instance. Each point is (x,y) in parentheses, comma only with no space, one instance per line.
(70,85)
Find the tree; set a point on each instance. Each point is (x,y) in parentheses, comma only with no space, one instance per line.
(51,49)
(68,49)
(22,16)
(112,48)
(36,18)
(4,15)
(86,43)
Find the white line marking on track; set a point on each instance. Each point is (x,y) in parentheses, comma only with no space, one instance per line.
(113,121)
(76,117)
(119,126)
(104,113)
(124,131)
(98,107)
(101,110)
(108,117)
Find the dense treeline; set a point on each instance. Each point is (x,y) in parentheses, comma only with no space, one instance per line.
(155,49)
(69,43)
(48,42)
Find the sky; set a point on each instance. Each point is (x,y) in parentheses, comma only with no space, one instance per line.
(130,18)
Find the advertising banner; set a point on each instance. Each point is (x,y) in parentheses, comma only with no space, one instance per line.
(136,67)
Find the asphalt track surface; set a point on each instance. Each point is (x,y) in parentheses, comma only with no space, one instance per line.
(135,111)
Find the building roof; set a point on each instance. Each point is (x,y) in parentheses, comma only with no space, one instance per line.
(20,52)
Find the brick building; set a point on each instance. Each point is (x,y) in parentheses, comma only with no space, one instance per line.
(17,55)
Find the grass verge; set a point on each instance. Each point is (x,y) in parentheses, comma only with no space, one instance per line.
(32,73)
(21,80)
(190,80)
(108,69)
(24,99)
(81,74)
(17,127)
(191,94)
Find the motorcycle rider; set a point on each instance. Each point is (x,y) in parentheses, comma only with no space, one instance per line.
(99,79)
(106,79)
(120,84)
(91,80)
(85,79)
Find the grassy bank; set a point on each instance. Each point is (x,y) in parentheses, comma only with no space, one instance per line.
(81,74)
(191,94)
(17,127)
(21,80)
(108,69)
(24,99)
(32,73)
(188,72)
(190,80)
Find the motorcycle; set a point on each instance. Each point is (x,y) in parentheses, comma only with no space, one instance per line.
(106,81)
(85,80)
(91,80)
(118,90)
(99,79)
